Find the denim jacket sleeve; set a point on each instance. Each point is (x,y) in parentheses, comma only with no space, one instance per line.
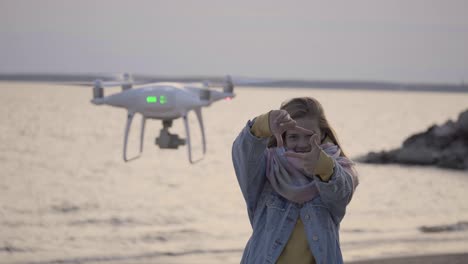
(248,157)
(338,191)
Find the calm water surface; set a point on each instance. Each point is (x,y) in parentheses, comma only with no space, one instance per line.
(66,196)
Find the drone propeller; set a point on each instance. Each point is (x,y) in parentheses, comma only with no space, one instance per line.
(107,80)
(108,84)
(228,85)
(248,81)
(70,79)
(228,82)
(126,79)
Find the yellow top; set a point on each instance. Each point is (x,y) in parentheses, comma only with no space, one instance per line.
(261,127)
(296,249)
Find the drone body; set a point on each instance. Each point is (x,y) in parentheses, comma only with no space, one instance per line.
(166,102)
(162,100)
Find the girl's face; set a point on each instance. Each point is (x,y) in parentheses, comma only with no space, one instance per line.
(298,141)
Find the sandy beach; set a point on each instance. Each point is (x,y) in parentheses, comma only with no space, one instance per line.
(432,259)
(66,196)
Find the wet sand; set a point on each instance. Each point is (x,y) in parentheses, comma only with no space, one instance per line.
(431,259)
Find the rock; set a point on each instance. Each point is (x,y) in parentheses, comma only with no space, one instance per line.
(375,157)
(418,140)
(463,123)
(416,155)
(444,145)
(65,208)
(460,226)
(445,134)
(454,156)
(379,157)
(449,129)
(436,136)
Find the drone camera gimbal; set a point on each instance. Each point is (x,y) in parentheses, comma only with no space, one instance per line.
(167,140)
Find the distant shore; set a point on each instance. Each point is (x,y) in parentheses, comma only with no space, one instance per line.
(431,259)
(366,85)
(322,84)
(325,84)
(137,79)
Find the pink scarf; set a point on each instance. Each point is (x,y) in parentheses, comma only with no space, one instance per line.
(288,178)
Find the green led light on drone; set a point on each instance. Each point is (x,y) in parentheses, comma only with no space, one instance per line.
(162,99)
(151,99)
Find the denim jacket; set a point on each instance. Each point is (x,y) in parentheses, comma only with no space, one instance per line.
(273,217)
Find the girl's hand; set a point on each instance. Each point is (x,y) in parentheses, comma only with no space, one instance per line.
(309,159)
(280,121)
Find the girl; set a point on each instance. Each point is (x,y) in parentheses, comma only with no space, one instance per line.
(296,182)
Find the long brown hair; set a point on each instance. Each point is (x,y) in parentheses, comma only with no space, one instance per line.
(311,108)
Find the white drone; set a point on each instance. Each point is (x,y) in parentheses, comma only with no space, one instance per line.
(165,101)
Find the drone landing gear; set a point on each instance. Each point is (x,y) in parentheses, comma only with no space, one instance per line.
(187,130)
(167,140)
(127,130)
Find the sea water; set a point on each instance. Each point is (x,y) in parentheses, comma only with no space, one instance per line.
(66,196)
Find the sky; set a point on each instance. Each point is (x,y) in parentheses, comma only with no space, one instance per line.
(395,40)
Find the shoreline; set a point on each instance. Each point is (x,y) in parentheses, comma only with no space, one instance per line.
(455,258)
(142,79)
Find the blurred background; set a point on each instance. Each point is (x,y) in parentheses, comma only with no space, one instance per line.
(422,41)
(67,197)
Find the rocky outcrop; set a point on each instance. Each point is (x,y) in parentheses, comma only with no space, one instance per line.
(459,226)
(444,146)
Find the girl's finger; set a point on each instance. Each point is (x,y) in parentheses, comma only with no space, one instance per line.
(303,130)
(314,140)
(280,116)
(295,155)
(285,118)
(279,140)
(288,125)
